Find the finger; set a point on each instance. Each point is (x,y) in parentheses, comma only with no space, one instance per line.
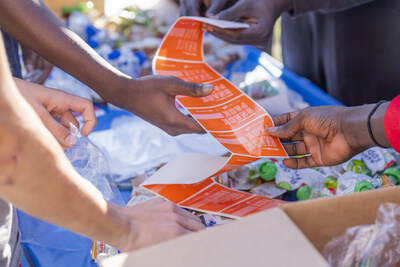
(87,109)
(229,36)
(233,13)
(252,35)
(187,214)
(284,118)
(296,149)
(36,61)
(190,224)
(59,131)
(287,130)
(46,72)
(190,8)
(183,125)
(183,9)
(215,8)
(300,163)
(67,117)
(180,87)
(296,138)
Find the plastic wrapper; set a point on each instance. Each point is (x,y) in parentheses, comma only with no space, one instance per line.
(291,179)
(348,181)
(368,245)
(375,159)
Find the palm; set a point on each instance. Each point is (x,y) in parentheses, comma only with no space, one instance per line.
(315,132)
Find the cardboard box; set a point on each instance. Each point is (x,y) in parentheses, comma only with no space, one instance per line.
(290,235)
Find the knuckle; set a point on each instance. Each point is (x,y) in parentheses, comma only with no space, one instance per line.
(158,200)
(176,230)
(169,206)
(173,217)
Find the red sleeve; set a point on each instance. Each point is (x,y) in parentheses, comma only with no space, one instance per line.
(392,123)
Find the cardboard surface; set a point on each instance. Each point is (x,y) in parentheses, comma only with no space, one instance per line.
(290,235)
(322,219)
(265,239)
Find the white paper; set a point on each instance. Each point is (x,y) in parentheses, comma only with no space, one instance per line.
(224,24)
(187,168)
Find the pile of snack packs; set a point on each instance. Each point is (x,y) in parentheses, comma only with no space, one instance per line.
(373,169)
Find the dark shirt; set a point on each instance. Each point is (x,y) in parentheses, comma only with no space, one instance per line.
(350,48)
(12,54)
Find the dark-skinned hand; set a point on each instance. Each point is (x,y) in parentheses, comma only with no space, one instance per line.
(327,135)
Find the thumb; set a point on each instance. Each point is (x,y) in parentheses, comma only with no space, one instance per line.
(233,13)
(180,87)
(60,132)
(287,130)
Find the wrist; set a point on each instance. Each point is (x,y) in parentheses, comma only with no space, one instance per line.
(122,233)
(377,125)
(355,129)
(118,93)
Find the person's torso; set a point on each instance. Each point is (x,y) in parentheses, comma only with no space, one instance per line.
(353,54)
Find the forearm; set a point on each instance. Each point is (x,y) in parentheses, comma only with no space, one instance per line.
(354,125)
(303,6)
(37,178)
(35,26)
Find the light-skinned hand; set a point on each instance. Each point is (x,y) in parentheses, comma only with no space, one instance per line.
(54,108)
(158,220)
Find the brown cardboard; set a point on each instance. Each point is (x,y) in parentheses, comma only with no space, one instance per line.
(266,239)
(269,238)
(321,220)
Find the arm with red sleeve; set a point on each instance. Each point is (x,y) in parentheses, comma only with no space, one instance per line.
(392,123)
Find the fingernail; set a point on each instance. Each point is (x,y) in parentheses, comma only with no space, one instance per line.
(70,140)
(207,88)
(272,129)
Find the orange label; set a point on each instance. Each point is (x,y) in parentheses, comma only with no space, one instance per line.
(186,39)
(231,117)
(252,139)
(223,92)
(187,71)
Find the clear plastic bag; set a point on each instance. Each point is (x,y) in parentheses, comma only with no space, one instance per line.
(90,162)
(368,245)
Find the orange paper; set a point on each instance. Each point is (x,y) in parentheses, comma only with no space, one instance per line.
(229,115)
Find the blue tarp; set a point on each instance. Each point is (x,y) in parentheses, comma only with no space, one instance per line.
(60,247)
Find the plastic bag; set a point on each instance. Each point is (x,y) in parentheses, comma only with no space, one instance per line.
(368,245)
(90,162)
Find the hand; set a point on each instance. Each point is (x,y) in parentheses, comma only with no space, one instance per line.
(158,220)
(51,104)
(204,7)
(153,99)
(260,14)
(38,69)
(329,135)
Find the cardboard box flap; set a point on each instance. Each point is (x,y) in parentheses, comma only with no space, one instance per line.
(269,238)
(323,219)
